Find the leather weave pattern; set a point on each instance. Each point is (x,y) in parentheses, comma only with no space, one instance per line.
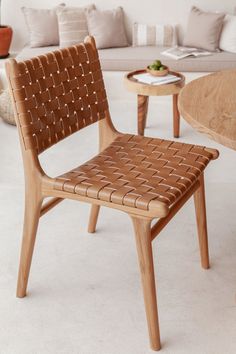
(135,170)
(57,94)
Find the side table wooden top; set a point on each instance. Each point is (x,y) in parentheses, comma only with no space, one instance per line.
(208,104)
(140,88)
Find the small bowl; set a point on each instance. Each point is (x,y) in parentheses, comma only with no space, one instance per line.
(158,72)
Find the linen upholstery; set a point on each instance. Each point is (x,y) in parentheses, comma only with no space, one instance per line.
(203,29)
(72,25)
(107,27)
(131,58)
(42,26)
(156,35)
(228,34)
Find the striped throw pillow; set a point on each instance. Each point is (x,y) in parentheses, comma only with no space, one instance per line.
(156,35)
(72,25)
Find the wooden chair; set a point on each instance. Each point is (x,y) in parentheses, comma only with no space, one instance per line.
(59,93)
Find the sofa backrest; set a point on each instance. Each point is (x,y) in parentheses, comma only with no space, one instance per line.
(149,12)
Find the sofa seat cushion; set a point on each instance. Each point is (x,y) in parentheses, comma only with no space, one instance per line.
(133,58)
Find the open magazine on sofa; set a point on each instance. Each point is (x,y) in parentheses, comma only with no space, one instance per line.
(178,52)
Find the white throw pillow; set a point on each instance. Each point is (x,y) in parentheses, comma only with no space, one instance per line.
(154,35)
(228,34)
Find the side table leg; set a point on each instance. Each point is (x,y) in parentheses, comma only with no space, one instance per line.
(176,116)
(142,113)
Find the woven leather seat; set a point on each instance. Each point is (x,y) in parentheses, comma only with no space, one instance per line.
(138,172)
(60,93)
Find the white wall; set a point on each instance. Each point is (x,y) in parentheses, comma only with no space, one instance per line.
(148,11)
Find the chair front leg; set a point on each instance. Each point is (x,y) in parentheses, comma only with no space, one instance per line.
(142,229)
(93,218)
(33,206)
(200,209)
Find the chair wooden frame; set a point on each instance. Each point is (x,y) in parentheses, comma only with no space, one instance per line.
(39,186)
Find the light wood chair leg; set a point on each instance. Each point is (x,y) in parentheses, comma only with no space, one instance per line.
(93,218)
(200,208)
(142,229)
(142,113)
(176,116)
(31,219)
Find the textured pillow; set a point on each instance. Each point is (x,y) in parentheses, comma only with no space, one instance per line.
(42,25)
(107,27)
(203,30)
(72,25)
(6,108)
(228,34)
(156,35)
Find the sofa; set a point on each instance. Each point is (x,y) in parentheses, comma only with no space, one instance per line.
(131,58)
(120,60)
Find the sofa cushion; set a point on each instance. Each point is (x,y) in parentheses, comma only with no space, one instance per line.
(132,58)
(72,25)
(42,26)
(156,35)
(203,30)
(228,34)
(107,27)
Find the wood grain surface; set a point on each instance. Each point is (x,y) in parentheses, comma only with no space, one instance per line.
(142,113)
(209,105)
(143,92)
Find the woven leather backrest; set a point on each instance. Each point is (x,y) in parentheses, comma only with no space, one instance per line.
(58,94)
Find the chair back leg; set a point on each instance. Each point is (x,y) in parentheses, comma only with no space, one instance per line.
(32,214)
(93,218)
(200,209)
(142,228)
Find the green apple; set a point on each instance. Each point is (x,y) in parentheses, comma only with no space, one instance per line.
(158,63)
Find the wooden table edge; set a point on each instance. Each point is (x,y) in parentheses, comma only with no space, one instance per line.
(218,138)
(141,88)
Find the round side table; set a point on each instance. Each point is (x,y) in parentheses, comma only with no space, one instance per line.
(143,92)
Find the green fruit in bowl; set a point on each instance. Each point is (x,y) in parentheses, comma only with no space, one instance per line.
(158,63)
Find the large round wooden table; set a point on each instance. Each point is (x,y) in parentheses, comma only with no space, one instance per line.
(208,104)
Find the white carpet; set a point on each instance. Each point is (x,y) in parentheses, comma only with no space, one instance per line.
(84,290)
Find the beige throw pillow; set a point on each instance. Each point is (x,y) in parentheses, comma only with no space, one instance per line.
(156,35)
(42,25)
(72,25)
(107,27)
(204,29)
